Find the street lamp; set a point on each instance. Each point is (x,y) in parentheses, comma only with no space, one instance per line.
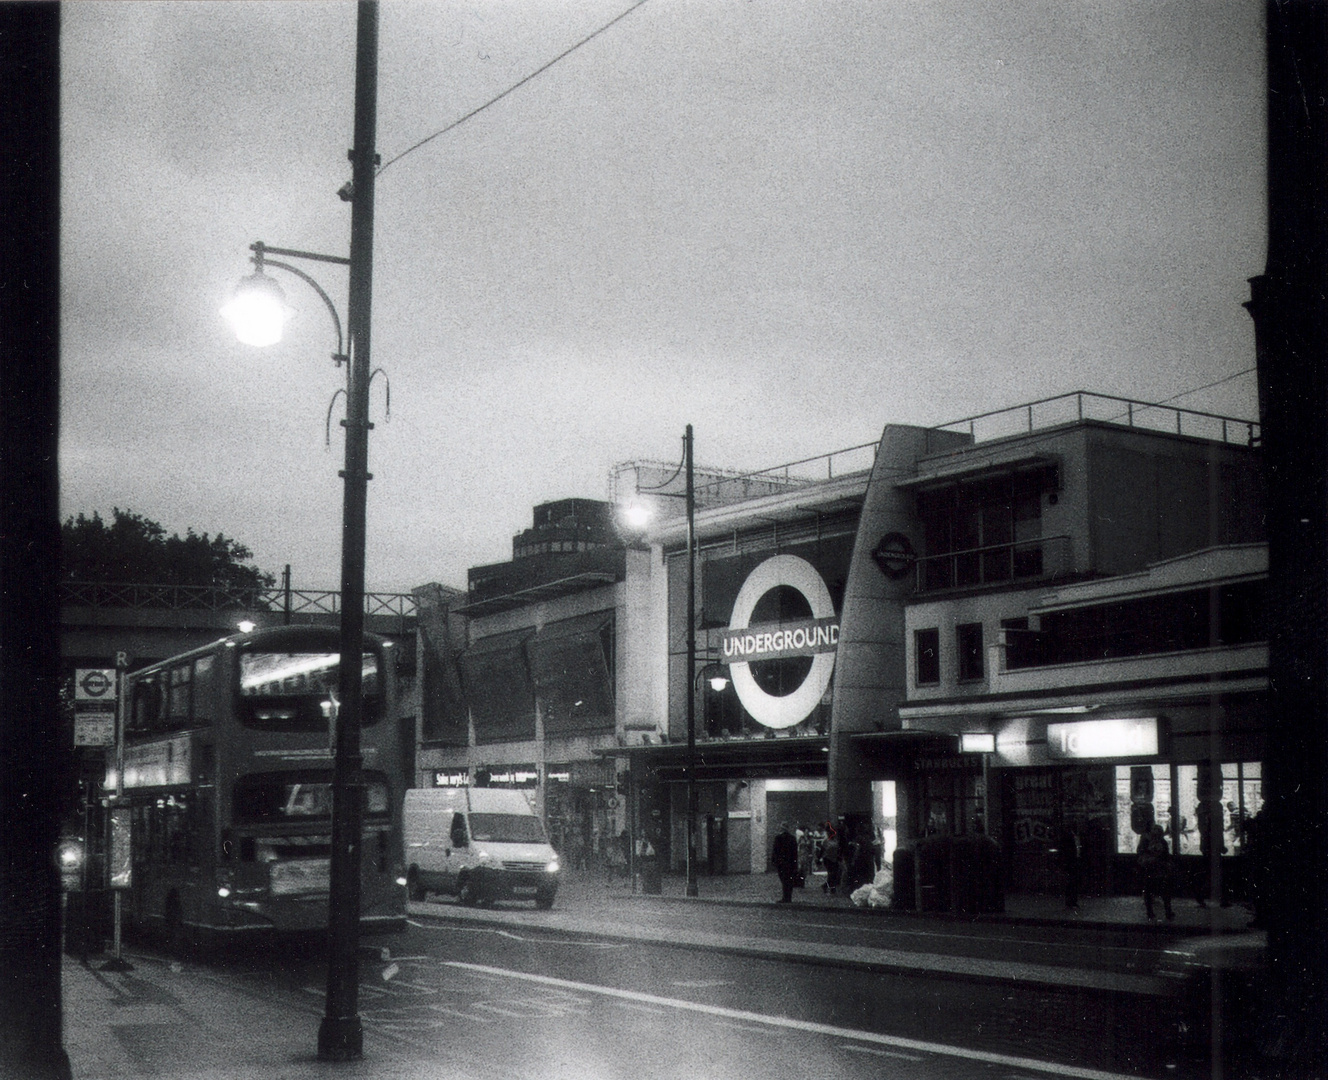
(637,515)
(259,307)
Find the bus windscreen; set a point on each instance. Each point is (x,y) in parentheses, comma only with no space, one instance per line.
(286,691)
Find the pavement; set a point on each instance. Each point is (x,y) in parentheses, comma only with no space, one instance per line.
(189,1021)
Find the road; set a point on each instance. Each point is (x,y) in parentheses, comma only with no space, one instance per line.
(509,994)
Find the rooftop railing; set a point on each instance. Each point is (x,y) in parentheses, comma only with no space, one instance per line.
(1082,405)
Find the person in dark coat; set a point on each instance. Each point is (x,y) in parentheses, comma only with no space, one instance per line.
(784,856)
(1210,821)
(1155,868)
(1072,862)
(830,859)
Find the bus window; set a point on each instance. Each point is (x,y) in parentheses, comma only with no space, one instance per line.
(294,691)
(145,706)
(277,797)
(177,701)
(205,702)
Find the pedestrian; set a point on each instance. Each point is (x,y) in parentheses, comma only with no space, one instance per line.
(804,838)
(858,864)
(1155,868)
(1209,814)
(784,856)
(830,859)
(625,853)
(1072,855)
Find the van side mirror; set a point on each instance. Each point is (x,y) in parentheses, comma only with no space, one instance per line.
(458,831)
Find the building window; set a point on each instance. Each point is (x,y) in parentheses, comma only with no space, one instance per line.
(927,653)
(969,640)
(982,533)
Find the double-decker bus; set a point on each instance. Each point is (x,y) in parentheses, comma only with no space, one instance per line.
(228,777)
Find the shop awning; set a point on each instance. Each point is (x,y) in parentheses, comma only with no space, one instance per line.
(964,471)
(730,759)
(899,749)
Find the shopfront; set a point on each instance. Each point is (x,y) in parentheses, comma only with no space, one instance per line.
(1105,781)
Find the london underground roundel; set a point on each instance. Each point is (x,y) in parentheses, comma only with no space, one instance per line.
(817,637)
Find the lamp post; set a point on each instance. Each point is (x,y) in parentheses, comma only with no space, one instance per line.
(639,515)
(691,663)
(258,305)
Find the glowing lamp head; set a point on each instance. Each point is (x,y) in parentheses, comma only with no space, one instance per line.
(257,311)
(636,515)
(718,683)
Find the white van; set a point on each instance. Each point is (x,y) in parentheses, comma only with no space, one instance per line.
(479,845)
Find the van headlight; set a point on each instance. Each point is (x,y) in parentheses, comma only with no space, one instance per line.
(551,867)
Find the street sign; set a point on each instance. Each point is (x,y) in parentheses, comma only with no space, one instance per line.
(94,729)
(94,684)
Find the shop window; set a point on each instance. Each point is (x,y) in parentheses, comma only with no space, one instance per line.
(952,804)
(927,654)
(1143,796)
(1143,793)
(968,638)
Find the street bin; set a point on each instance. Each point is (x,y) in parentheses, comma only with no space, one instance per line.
(963,867)
(933,873)
(652,879)
(903,898)
(975,875)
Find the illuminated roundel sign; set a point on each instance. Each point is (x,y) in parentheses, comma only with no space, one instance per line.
(816,637)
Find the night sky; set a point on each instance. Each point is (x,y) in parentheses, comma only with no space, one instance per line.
(785,223)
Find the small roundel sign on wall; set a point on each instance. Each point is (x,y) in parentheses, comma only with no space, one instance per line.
(818,637)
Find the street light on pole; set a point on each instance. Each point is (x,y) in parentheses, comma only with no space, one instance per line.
(258,311)
(637,516)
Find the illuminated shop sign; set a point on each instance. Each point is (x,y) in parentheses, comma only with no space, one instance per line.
(1134,737)
(816,637)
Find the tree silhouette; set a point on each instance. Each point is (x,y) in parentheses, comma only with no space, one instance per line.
(133,549)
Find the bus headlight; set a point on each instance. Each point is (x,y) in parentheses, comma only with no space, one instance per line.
(552,867)
(223,891)
(401,879)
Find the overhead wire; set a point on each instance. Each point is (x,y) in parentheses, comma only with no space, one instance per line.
(515,86)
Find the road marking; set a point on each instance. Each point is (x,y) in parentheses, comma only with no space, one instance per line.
(894,1041)
(701,984)
(881,1053)
(540,939)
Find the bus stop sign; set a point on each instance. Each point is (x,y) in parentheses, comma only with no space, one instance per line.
(94,684)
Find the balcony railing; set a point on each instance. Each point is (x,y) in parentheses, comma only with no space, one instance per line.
(997,564)
(1103,408)
(220,598)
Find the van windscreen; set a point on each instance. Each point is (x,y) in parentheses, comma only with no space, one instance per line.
(507,828)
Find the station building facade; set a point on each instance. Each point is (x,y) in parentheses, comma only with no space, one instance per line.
(962,573)
(1042,616)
